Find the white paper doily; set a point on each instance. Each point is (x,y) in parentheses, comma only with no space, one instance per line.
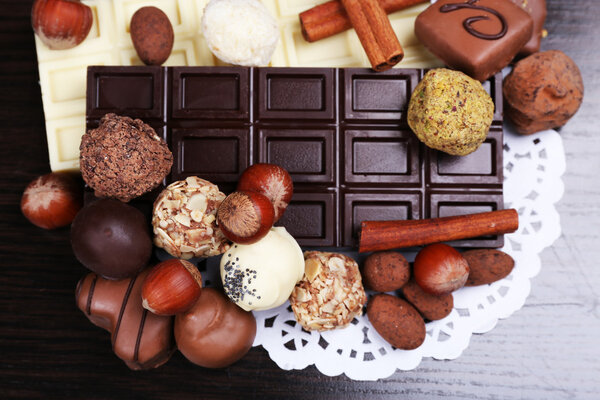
(533,166)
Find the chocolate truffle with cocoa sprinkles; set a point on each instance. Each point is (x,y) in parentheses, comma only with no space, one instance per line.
(543,91)
(123,158)
(385,271)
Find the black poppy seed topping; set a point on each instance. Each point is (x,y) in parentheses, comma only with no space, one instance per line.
(237,279)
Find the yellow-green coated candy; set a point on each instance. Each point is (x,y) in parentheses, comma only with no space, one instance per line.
(450,112)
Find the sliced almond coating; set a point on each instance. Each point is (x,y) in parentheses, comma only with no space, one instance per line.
(192,181)
(312,268)
(328,308)
(186,249)
(183,220)
(197,215)
(302,295)
(196,235)
(337,265)
(170,204)
(197,202)
(208,219)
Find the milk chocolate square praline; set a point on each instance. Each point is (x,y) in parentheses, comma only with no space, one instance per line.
(477,37)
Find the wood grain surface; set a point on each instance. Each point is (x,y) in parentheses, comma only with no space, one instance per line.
(48,349)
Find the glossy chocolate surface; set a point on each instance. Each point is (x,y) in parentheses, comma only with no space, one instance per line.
(341,133)
(111,238)
(477,37)
(141,339)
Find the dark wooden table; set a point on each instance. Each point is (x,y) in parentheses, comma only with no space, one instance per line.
(48,349)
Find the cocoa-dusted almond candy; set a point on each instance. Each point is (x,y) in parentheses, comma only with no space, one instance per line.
(487,266)
(430,306)
(396,321)
(152,35)
(141,339)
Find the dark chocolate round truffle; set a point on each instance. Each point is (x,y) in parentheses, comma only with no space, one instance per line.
(215,332)
(111,238)
(123,158)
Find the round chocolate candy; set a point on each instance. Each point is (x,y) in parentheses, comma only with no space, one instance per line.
(111,238)
(215,332)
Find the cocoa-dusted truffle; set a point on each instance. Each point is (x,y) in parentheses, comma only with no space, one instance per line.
(111,238)
(123,158)
(215,332)
(385,271)
(543,91)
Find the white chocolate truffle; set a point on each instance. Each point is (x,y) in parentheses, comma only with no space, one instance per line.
(262,275)
(240,32)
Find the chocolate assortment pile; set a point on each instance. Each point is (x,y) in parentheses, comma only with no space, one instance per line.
(343,137)
(248,164)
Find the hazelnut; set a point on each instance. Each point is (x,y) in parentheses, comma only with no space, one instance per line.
(171,287)
(245,217)
(270,180)
(52,200)
(439,269)
(61,24)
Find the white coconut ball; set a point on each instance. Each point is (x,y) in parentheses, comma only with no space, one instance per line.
(240,32)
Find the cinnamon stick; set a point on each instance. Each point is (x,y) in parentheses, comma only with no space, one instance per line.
(330,18)
(375,33)
(386,235)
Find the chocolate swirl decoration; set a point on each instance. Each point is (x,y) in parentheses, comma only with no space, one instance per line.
(467,23)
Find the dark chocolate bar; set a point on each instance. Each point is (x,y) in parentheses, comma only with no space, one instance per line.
(341,133)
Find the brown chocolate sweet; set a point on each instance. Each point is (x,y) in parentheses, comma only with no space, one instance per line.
(152,35)
(543,91)
(478,37)
(141,339)
(215,332)
(123,158)
(385,271)
(487,266)
(111,238)
(537,10)
(431,307)
(396,321)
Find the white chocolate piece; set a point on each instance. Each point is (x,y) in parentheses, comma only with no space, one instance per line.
(240,32)
(262,275)
(63,72)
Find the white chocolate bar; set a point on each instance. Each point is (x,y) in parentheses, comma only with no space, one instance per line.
(63,72)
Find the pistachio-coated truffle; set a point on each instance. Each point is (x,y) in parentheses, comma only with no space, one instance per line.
(450,112)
